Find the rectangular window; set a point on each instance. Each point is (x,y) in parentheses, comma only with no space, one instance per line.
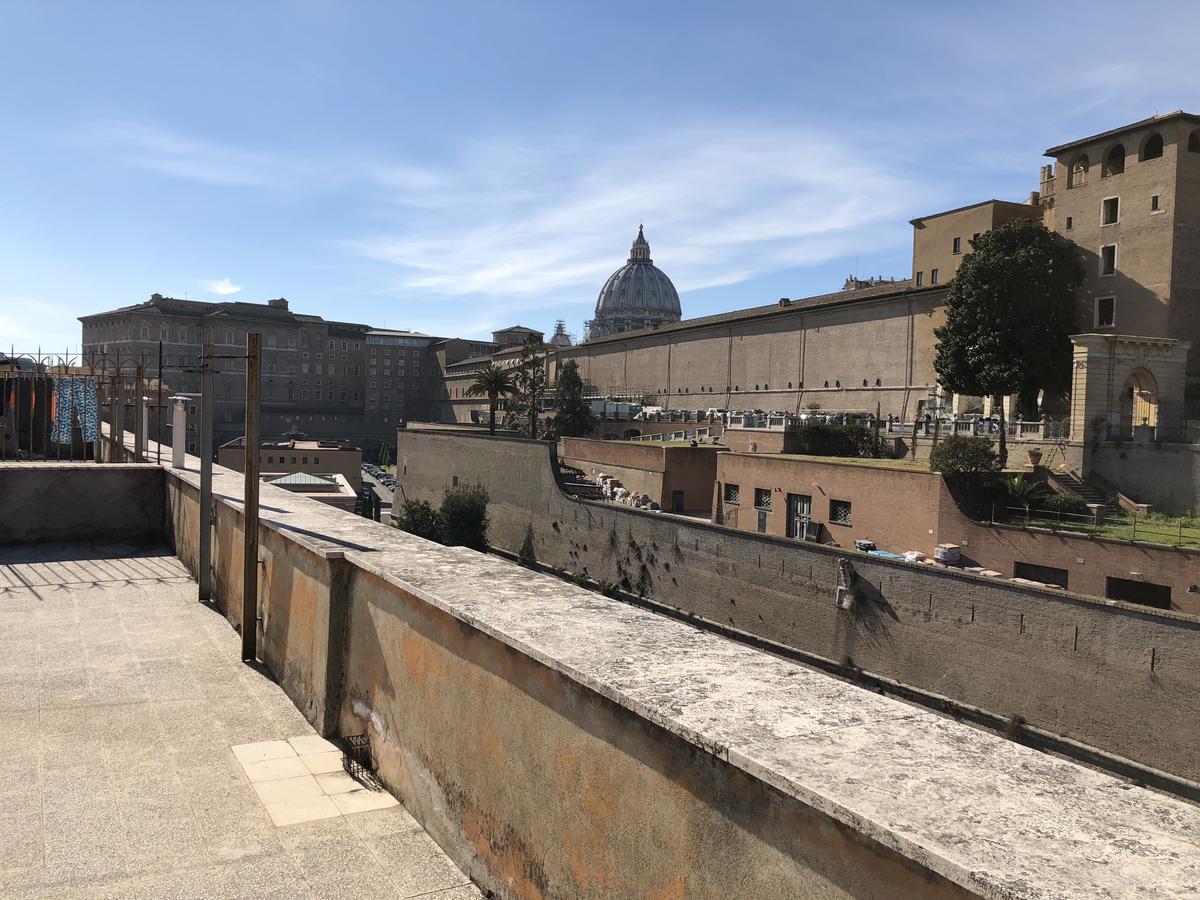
(304,395)
(733,493)
(920,278)
(933,276)
(1106,312)
(762,498)
(1069,222)
(1110,211)
(332,345)
(270,341)
(1108,260)
(1044,574)
(304,460)
(839,512)
(974,237)
(958,245)
(1154,207)
(1144,592)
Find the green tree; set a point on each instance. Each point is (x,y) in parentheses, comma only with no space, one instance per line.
(1010,312)
(419,518)
(529,383)
(960,455)
(464,516)
(573,416)
(493,383)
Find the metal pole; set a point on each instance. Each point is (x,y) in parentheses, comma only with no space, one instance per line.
(250,504)
(138,433)
(208,396)
(117,429)
(159,409)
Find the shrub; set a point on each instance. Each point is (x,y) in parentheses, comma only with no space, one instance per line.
(819,439)
(527,555)
(1063,503)
(419,518)
(958,455)
(464,516)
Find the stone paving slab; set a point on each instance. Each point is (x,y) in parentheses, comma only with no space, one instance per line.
(121,702)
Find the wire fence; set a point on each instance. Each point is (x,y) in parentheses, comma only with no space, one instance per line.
(56,406)
(1177,531)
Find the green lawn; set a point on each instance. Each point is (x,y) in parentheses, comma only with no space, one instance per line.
(1181,531)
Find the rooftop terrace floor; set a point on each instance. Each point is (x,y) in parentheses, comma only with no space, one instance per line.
(121,698)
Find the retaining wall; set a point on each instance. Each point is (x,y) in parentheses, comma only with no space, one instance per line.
(1107,674)
(80,501)
(561,744)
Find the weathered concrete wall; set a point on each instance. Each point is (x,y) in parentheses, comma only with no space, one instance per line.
(297,575)
(1107,674)
(47,502)
(548,789)
(1164,475)
(561,744)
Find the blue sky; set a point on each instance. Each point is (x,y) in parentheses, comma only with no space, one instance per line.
(458,167)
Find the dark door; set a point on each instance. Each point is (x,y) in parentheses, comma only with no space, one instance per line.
(677,501)
(799,514)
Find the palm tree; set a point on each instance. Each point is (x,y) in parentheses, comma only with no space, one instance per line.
(492,382)
(1024,492)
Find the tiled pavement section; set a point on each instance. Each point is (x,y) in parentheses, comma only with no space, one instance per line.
(302,779)
(120,700)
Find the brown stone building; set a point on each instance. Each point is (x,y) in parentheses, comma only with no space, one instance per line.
(321,379)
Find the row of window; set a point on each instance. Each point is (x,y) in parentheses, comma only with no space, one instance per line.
(1114,160)
(316,460)
(933,276)
(839,510)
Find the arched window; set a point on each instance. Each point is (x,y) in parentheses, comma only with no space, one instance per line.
(1194,142)
(1152,147)
(145,331)
(1077,171)
(1114,161)
(164,332)
(183,334)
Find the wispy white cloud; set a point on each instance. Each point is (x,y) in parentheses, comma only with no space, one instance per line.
(720,203)
(222,286)
(541,220)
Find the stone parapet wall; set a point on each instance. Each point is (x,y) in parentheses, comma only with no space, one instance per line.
(80,501)
(557,743)
(1109,675)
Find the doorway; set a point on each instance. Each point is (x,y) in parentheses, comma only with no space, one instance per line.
(799,516)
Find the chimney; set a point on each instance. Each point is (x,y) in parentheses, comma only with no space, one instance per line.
(279,303)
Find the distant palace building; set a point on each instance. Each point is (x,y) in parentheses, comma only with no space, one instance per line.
(638,295)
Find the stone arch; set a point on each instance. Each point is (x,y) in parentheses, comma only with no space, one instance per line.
(631,433)
(1114,161)
(1139,401)
(1077,170)
(1152,147)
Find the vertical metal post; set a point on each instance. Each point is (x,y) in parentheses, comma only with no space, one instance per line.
(159,409)
(208,396)
(250,503)
(117,430)
(138,433)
